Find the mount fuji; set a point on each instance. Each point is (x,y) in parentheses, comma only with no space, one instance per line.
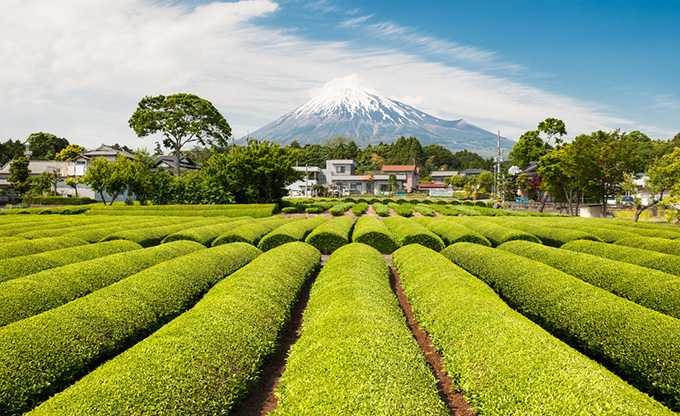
(346,108)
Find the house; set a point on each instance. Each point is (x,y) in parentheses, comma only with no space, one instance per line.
(436,189)
(36,167)
(340,177)
(169,163)
(82,161)
(472,172)
(438,176)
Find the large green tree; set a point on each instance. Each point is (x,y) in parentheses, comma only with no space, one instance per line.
(45,146)
(11,149)
(182,119)
(529,148)
(256,173)
(69,152)
(554,128)
(19,173)
(110,178)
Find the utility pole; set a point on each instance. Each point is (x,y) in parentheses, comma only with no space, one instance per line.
(497,168)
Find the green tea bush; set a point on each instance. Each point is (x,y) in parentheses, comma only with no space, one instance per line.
(53,349)
(202,362)
(114,225)
(230,210)
(549,236)
(152,236)
(39,245)
(288,233)
(467,202)
(401,209)
(33,294)
(666,263)
(639,344)
(661,245)
(423,209)
(480,204)
(608,235)
(452,232)
(253,231)
(495,233)
(314,210)
(506,364)
(359,208)
(340,209)
(291,210)
(381,209)
(331,235)
(373,232)
(410,232)
(208,233)
(355,350)
(16,267)
(650,288)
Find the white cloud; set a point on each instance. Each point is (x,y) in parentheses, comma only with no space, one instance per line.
(77,68)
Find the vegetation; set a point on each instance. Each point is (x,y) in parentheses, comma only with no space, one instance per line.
(331,235)
(237,322)
(506,364)
(39,245)
(290,232)
(373,232)
(354,330)
(409,232)
(640,344)
(252,232)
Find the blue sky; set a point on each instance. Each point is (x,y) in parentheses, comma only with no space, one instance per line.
(78,68)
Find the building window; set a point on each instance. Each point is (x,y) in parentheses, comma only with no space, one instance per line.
(353,186)
(341,169)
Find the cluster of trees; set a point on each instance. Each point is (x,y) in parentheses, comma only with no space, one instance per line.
(596,166)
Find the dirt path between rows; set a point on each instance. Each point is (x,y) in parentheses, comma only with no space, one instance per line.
(261,400)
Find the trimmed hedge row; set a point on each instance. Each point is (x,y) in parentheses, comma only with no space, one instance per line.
(331,235)
(666,263)
(39,245)
(661,245)
(33,294)
(381,209)
(373,232)
(252,232)
(410,232)
(650,288)
(252,210)
(18,227)
(54,348)
(506,364)
(423,209)
(608,235)
(152,236)
(118,224)
(555,237)
(288,233)
(495,233)
(180,369)
(640,344)
(15,267)
(401,209)
(355,354)
(340,209)
(359,208)
(208,233)
(452,232)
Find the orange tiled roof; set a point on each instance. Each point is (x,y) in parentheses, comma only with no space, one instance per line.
(399,168)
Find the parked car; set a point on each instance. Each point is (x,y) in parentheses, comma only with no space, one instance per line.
(628,200)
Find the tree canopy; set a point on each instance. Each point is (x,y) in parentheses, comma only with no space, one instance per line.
(182,119)
(11,149)
(69,152)
(45,146)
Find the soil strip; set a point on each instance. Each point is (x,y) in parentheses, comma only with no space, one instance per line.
(454,400)
(261,400)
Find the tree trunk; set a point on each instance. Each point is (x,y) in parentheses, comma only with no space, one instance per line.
(544,199)
(101,193)
(177,158)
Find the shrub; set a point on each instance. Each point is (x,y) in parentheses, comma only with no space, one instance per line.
(291,210)
(381,209)
(506,364)
(400,209)
(16,267)
(287,233)
(373,232)
(666,263)
(349,199)
(39,245)
(354,330)
(410,232)
(151,236)
(210,355)
(480,204)
(33,294)
(452,232)
(661,245)
(550,236)
(331,235)
(314,210)
(340,209)
(83,231)
(53,349)
(230,210)
(359,208)
(650,288)
(423,209)
(640,344)
(608,235)
(495,233)
(468,203)
(208,233)
(252,232)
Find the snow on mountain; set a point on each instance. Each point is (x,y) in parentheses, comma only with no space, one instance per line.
(344,107)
